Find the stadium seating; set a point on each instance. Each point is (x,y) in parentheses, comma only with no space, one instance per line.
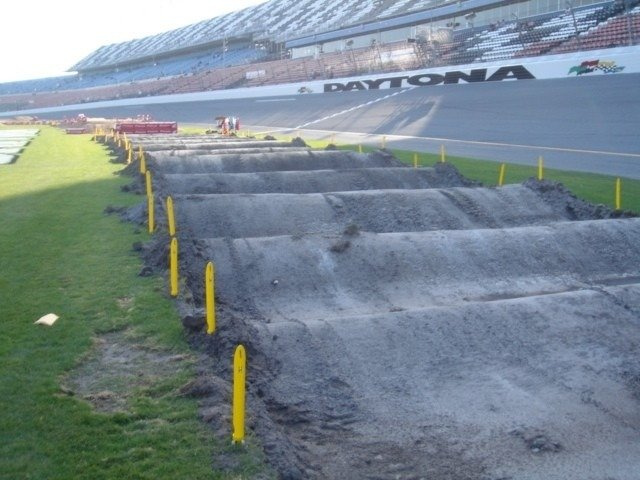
(561,34)
(213,54)
(153,69)
(277,20)
(613,31)
(531,37)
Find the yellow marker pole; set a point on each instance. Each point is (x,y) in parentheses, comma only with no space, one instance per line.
(173,267)
(501,176)
(442,154)
(384,142)
(239,382)
(210,297)
(150,210)
(143,162)
(147,176)
(129,155)
(415,160)
(540,167)
(360,148)
(618,193)
(171,219)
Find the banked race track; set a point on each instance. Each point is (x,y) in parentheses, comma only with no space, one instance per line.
(406,323)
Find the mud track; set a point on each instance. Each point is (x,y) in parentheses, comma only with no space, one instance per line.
(406,323)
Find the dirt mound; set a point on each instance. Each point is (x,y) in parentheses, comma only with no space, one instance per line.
(562,200)
(190,152)
(269,162)
(406,323)
(378,211)
(476,390)
(203,143)
(407,271)
(313,181)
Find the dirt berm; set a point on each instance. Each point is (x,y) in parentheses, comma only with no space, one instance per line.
(269,162)
(308,181)
(178,144)
(405,323)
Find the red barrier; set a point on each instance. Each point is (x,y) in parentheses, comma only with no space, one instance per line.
(147,127)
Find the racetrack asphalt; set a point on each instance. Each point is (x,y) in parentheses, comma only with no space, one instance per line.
(588,124)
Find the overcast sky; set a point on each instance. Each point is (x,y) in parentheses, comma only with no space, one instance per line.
(43,38)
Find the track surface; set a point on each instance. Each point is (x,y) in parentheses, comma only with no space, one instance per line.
(587,124)
(395,330)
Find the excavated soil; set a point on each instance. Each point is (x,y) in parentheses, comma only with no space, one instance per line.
(406,323)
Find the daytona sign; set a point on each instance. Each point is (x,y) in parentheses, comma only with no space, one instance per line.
(513,72)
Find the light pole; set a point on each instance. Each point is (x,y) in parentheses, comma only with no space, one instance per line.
(515,15)
(224,53)
(629,24)
(569,5)
(224,49)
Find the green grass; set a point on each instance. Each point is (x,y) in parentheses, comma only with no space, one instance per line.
(193,129)
(598,189)
(60,253)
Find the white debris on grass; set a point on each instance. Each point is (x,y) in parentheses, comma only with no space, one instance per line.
(49,319)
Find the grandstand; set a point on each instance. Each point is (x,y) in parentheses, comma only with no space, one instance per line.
(283,41)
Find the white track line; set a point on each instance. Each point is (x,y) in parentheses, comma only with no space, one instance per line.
(267,100)
(355,108)
(517,145)
(438,139)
